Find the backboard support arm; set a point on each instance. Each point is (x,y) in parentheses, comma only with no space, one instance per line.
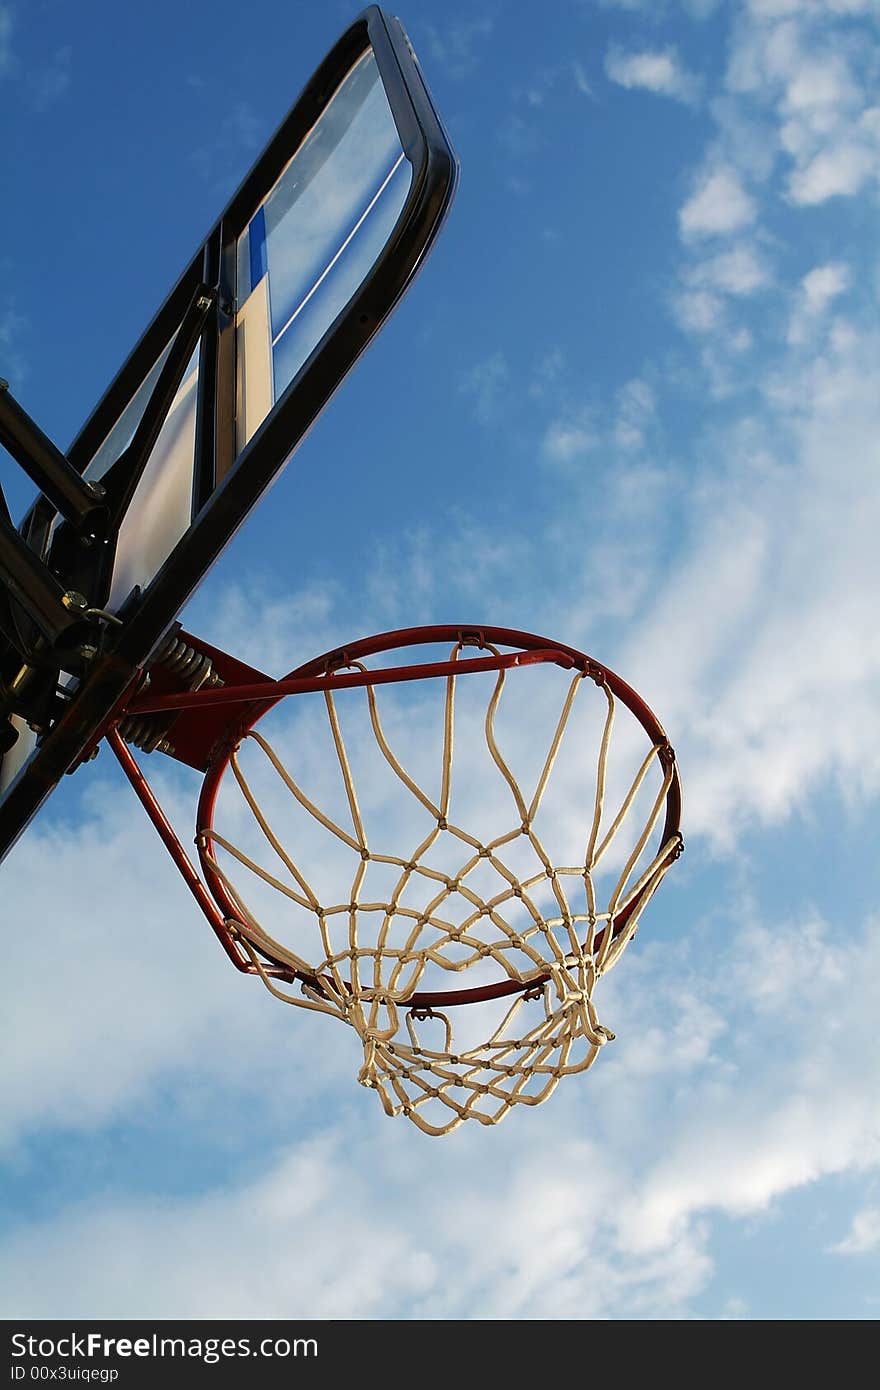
(79,502)
(89,570)
(27,580)
(89,508)
(122,478)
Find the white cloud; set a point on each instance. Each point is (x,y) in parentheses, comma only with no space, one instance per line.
(581,80)
(761,1126)
(818,289)
(810,79)
(699,311)
(740,271)
(486,384)
(533,1243)
(518,138)
(306,621)
(837,172)
(653,70)
(246,1251)
(720,1097)
(133,985)
(783,9)
(700,304)
(238,134)
(456,43)
(864,1234)
(794,125)
(575,433)
(824,283)
(781,559)
(567,440)
(636,411)
(819,83)
(546,372)
(719,204)
(699,9)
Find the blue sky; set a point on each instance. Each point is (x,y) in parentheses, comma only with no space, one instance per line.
(630,402)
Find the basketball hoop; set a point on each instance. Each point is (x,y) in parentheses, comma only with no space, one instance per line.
(485,901)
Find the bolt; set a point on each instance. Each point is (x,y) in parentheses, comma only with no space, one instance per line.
(96,489)
(87,651)
(74,600)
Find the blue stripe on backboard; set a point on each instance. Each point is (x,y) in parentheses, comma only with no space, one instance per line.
(257,247)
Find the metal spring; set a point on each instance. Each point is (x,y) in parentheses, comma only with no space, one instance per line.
(193,668)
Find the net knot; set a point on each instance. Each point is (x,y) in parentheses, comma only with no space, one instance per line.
(367,1076)
(421,1014)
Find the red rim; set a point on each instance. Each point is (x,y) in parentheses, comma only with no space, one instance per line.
(318,674)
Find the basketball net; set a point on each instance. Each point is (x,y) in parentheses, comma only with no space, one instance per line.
(545,932)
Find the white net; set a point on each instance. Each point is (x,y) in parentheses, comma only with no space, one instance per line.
(531,935)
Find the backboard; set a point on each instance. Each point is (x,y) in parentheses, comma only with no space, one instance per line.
(298,274)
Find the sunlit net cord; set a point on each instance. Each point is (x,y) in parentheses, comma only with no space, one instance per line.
(370,983)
